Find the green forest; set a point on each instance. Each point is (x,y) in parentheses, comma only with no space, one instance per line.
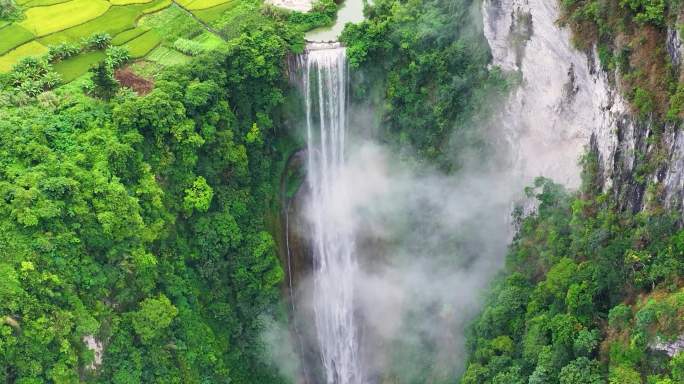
(143,220)
(142,149)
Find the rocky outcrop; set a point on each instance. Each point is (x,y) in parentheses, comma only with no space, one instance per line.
(565,104)
(296,259)
(96,346)
(670,348)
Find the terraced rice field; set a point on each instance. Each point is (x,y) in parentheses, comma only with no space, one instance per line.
(42,21)
(199,4)
(143,44)
(74,67)
(167,56)
(50,22)
(10,58)
(15,36)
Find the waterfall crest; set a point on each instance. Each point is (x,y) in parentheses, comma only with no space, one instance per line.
(324,80)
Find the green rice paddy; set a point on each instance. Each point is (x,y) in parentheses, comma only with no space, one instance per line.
(143,44)
(10,58)
(13,36)
(73,67)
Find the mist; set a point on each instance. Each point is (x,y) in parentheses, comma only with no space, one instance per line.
(425,244)
(428,245)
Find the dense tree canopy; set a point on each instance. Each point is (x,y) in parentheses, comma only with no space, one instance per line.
(139,224)
(425,65)
(587,293)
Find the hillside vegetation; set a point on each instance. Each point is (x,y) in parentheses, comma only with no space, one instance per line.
(631,36)
(590,295)
(141,141)
(135,227)
(139,225)
(66,39)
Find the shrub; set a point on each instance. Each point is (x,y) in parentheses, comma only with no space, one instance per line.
(63,51)
(646,11)
(322,14)
(188,47)
(97,41)
(32,76)
(619,316)
(676,104)
(643,101)
(9,10)
(117,56)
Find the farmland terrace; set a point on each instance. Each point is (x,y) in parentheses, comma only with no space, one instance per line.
(156,33)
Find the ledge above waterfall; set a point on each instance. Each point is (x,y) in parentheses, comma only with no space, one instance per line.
(322,45)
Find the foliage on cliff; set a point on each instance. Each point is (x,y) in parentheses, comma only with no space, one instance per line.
(587,295)
(425,65)
(138,224)
(631,37)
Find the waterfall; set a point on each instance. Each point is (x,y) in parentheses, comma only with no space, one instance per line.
(324,80)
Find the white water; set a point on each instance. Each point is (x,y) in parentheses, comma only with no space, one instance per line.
(335,265)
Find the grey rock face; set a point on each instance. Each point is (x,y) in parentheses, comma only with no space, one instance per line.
(565,103)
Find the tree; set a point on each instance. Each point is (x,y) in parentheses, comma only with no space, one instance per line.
(586,342)
(510,376)
(105,86)
(94,231)
(544,371)
(623,374)
(198,197)
(581,371)
(474,374)
(579,301)
(153,317)
(10,288)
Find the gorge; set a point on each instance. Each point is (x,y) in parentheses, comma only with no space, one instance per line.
(564,106)
(365,192)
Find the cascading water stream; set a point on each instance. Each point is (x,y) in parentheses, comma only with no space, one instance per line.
(324,73)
